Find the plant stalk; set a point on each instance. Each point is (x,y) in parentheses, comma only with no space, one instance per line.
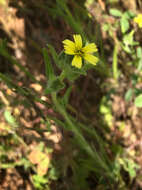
(78,137)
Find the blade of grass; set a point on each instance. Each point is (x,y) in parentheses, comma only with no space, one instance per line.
(12,60)
(115,62)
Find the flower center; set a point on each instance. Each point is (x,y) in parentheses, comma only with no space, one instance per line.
(79,52)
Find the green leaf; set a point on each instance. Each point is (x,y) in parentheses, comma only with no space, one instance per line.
(138,101)
(128,38)
(54,86)
(139,55)
(127,49)
(9,118)
(53,174)
(48,66)
(53,53)
(39,179)
(129,14)
(128,95)
(73,73)
(66,96)
(106,27)
(124,23)
(139,52)
(115,12)
(70,72)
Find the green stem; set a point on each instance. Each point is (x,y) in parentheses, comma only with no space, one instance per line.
(62,76)
(79,138)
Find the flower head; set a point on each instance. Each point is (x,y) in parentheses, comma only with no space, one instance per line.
(138,20)
(76,48)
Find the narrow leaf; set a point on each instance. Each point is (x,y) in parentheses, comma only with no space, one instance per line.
(48,66)
(53,53)
(67,95)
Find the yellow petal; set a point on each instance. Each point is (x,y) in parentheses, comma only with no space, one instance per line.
(137,20)
(69,47)
(69,51)
(69,43)
(78,41)
(77,61)
(91,58)
(90,48)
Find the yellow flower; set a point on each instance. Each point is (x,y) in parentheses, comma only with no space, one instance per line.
(138,20)
(75,48)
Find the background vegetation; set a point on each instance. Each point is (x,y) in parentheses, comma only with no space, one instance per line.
(63,128)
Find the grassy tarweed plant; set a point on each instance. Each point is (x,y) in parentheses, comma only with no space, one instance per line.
(73,48)
(93,158)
